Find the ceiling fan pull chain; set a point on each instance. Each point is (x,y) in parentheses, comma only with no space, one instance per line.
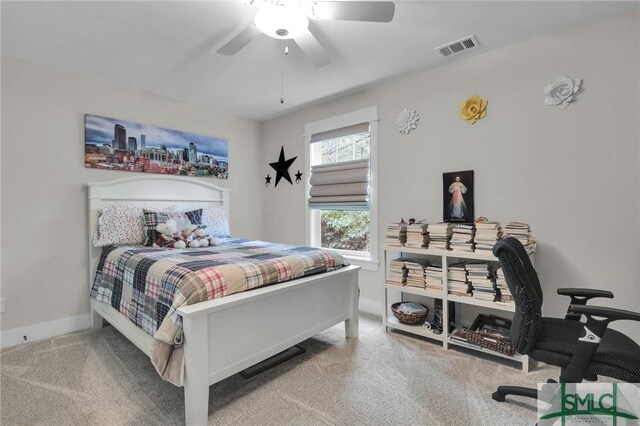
(285,53)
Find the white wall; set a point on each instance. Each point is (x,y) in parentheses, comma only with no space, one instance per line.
(573,174)
(44,209)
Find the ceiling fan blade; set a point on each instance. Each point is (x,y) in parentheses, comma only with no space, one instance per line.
(370,11)
(312,49)
(241,40)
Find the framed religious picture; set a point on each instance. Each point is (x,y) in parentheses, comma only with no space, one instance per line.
(457,192)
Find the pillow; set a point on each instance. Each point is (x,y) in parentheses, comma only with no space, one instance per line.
(152,218)
(215,221)
(119,224)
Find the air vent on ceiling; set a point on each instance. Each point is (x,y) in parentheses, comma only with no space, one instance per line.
(458,46)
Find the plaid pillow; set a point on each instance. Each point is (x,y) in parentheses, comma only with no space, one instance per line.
(152,218)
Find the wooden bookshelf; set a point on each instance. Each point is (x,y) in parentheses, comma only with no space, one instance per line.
(447,257)
(413,329)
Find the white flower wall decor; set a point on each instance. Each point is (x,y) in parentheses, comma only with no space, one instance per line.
(562,91)
(407,120)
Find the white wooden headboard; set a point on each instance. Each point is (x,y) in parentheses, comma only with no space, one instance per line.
(149,191)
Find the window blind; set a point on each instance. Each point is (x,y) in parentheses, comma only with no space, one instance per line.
(339,133)
(340,186)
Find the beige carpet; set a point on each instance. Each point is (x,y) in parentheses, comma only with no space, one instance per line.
(100,378)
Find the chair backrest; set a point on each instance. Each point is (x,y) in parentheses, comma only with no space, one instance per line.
(524,285)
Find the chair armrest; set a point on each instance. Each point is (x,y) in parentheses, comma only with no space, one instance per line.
(594,331)
(589,293)
(611,314)
(580,296)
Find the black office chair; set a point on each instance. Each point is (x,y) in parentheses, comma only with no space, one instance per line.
(582,350)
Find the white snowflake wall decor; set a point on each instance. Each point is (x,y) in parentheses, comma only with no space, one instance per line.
(407,120)
(562,91)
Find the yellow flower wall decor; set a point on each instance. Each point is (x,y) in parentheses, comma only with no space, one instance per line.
(473,109)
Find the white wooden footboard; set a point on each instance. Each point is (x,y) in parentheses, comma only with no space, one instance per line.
(227,335)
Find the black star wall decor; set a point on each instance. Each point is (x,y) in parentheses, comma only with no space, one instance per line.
(267,180)
(298,176)
(282,167)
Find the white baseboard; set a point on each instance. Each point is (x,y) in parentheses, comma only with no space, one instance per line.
(44,330)
(371,306)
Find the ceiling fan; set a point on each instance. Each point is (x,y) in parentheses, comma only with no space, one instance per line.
(289,19)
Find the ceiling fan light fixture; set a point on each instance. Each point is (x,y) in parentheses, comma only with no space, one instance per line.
(282,22)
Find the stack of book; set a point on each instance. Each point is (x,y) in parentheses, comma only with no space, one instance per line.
(462,237)
(503,289)
(457,280)
(487,235)
(396,235)
(482,281)
(439,235)
(433,277)
(417,235)
(521,231)
(397,273)
(415,271)
(411,308)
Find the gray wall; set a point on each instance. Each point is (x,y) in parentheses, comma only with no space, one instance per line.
(573,174)
(44,208)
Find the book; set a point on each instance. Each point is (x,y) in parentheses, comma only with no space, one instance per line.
(502,289)
(411,308)
(481,278)
(439,235)
(522,232)
(418,235)
(397,273)
(487,235)
(415,275)
(396,234)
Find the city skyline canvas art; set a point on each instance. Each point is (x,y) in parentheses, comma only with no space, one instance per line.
(114,144)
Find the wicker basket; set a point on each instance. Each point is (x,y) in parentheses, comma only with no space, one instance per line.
(485,340)
(409,318)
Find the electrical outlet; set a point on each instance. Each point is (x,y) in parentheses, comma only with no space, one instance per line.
(2,307)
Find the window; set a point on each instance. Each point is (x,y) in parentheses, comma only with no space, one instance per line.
(341,189)
(342,228)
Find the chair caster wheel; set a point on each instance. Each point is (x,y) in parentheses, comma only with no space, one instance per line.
(497,396)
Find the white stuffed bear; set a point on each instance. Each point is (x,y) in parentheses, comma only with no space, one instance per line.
(201,237)
(169,236)
(205,239)
(213,241)
(189,234)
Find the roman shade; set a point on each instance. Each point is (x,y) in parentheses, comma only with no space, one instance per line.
(340,133)
(340,186)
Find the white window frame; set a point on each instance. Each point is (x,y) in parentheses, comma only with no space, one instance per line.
(368,261)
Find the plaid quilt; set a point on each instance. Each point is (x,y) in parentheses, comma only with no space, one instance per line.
(148,285)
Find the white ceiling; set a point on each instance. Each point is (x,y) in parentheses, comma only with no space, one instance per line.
(169,48)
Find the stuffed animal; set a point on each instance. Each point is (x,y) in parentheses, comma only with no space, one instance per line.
(201,236)
(169,236)
(192,236)
(204,238)
(189,235)
(213,241)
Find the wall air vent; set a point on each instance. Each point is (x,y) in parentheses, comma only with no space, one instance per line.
(458,46)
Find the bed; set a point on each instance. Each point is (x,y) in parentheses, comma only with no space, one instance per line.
(226,335)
